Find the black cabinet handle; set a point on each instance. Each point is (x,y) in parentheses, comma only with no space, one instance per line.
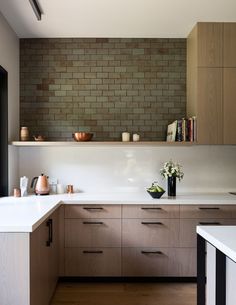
(93,252)
(156,208)
(209,223)
(208,208)
(93,209)
(151,223)
(93,222)
(50,233)
(151,252)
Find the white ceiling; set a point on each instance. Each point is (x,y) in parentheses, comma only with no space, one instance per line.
(114,18)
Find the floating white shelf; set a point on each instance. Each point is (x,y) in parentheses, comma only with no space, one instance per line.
(97,143)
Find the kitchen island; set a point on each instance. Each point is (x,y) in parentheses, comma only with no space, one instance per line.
(219,266)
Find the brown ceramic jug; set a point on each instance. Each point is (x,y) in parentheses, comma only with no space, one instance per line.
(40,185)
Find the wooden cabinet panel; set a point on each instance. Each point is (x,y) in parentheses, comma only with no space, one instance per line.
(44,261)
(149,262)
(187,260)
(150,232)
(93,262)
(92,211)
(188,235)
(150,211)
(230,44)
(230,104)
(210,106)
(210,44)
(207,211)
(92,232)
(39,266)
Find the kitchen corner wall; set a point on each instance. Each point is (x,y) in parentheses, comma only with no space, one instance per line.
(9,60)
(102,85)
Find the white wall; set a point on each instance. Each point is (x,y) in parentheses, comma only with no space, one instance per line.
(9,60)
(206,168)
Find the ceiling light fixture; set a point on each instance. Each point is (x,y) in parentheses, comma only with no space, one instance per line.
(36,8)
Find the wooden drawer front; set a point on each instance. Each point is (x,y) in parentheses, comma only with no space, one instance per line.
(187,260)
(92,262)
(150,211)
(92,211)
(188,229)
(92,232)
(150,232)
(210,211)
(149,262)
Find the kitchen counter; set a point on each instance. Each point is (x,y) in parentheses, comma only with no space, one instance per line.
(27,213)
(222,238)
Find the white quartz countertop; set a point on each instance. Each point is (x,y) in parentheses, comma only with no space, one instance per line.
(27,213)
(221,237)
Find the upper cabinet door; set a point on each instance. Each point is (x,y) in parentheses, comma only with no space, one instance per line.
(230,45)
(210,106)
(210,44)
(229,105)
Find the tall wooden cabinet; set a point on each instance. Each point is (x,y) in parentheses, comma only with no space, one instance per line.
(211,60)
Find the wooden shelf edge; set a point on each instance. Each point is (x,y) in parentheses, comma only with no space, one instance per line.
(97,143)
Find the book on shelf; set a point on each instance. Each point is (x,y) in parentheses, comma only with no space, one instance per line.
(171,132)
(183,130)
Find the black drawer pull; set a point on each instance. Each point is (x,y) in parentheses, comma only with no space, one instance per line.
(151,252)
(93,252)
(151,223)
(213,223)
(93,223)
(205,208)
(157,208)
(92,209)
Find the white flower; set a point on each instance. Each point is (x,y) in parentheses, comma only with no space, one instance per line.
(172,169)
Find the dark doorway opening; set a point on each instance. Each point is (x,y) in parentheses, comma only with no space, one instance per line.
(3,133)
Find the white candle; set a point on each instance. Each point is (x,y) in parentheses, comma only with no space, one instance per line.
(125,136)
(136,137)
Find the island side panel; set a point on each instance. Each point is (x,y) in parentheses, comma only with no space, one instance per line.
(14,269)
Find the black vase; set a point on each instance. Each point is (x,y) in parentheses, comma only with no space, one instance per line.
(171,186)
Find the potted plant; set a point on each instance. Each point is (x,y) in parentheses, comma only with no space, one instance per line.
(171,171)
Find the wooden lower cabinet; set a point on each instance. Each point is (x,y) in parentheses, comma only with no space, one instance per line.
(150,232)
(149,262)
(92,232)
(44,261)
(188,236)
(93,262)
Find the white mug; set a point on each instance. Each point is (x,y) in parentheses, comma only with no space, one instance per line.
(60,189)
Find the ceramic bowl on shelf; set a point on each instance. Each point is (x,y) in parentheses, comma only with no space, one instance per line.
(156,195)
(82,136)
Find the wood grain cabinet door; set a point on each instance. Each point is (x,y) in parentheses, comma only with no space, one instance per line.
(188,235)
(44,261)
(230,105)
(230,44)
(39,266)
(210,106)
(93,262)
(92,232)
(210,44)
(150,262)
(150,232)
(92,211)
(150,211)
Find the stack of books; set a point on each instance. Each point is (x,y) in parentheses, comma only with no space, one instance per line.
(184,130)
